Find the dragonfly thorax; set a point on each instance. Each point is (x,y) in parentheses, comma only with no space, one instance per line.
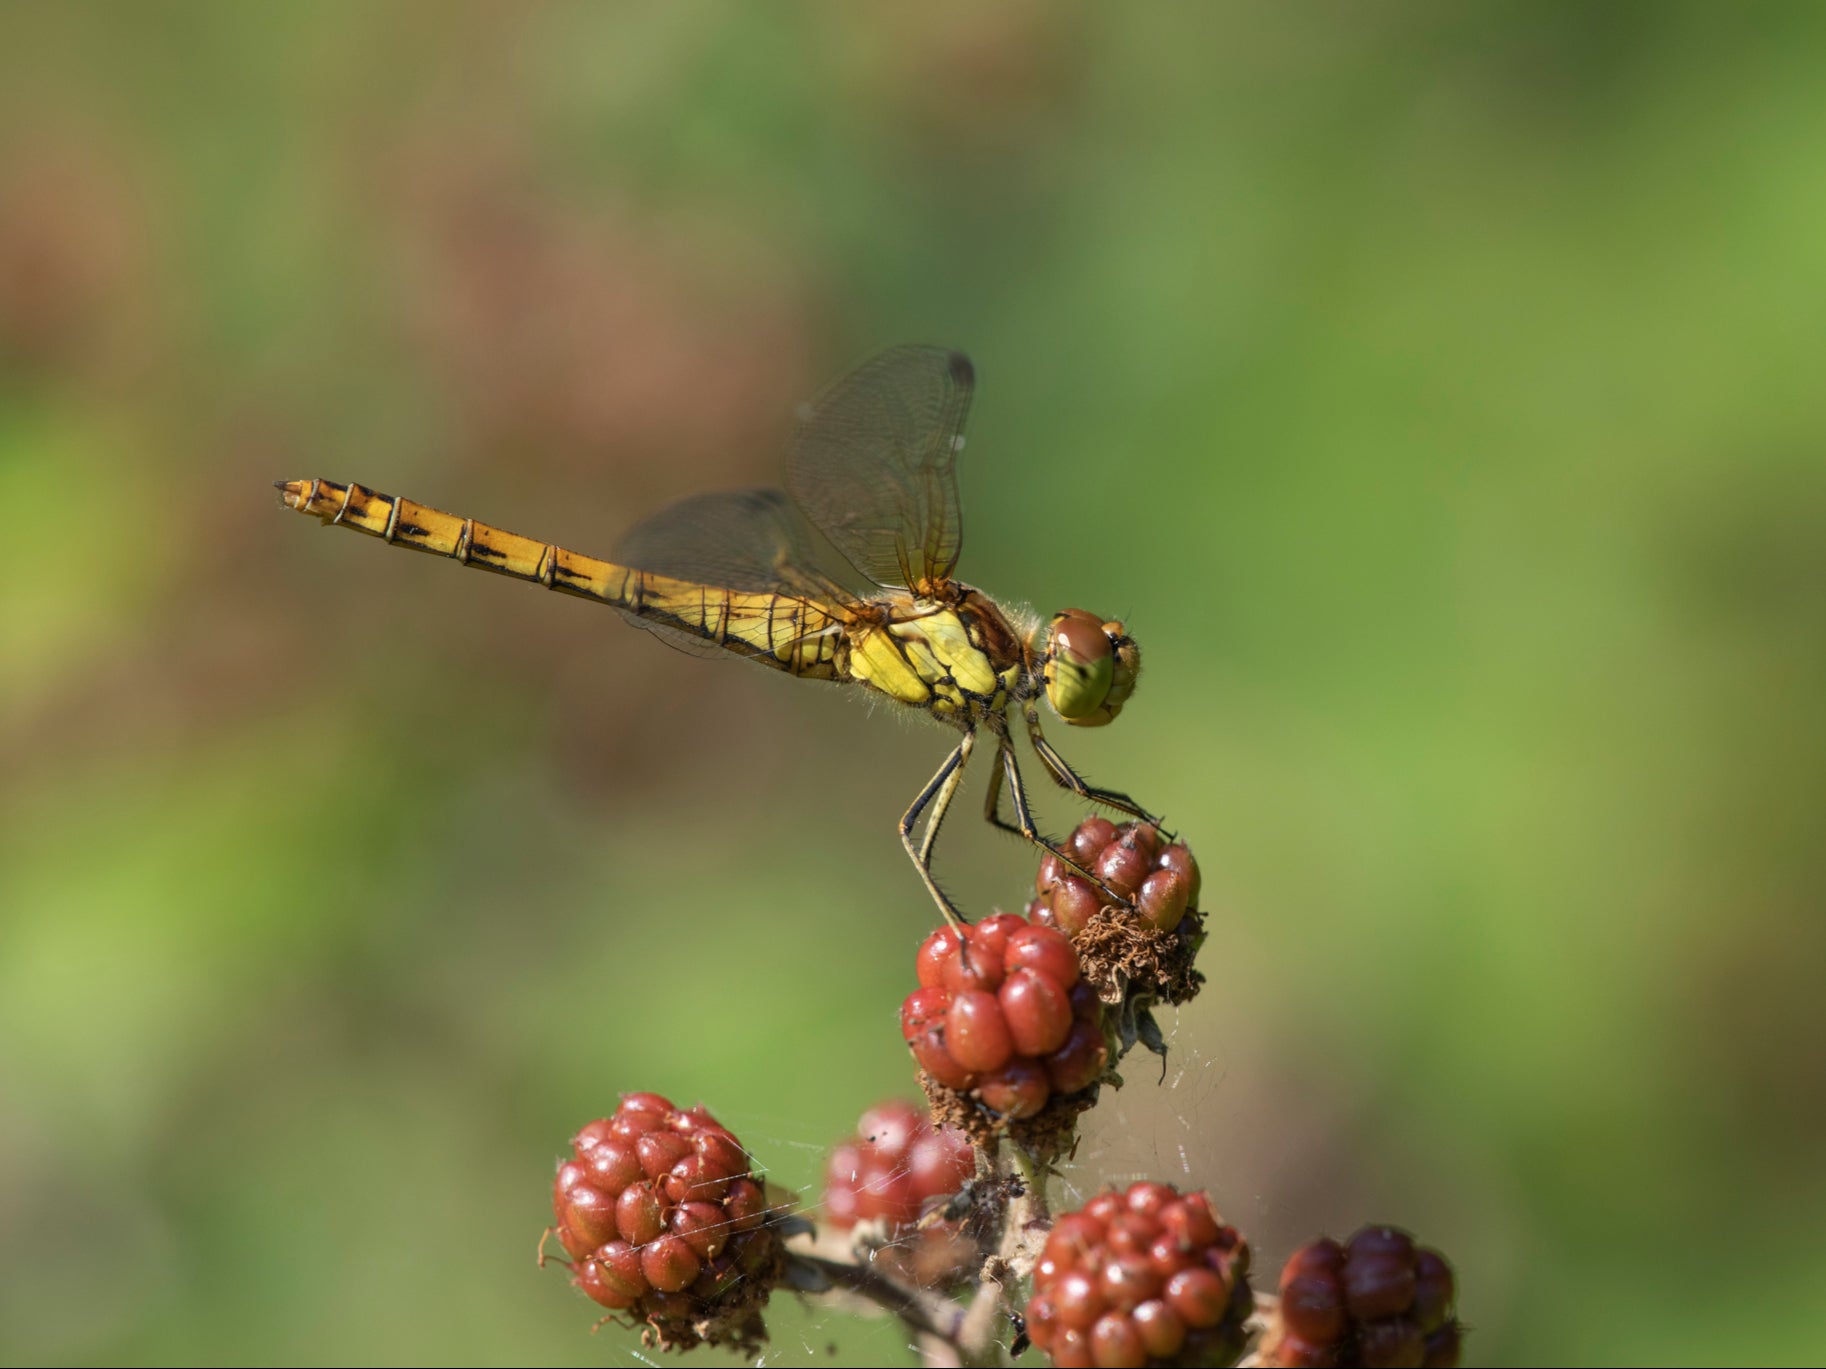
(959,659)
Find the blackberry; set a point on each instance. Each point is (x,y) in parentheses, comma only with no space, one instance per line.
(1008,1037)
(1137,953)
(1379,1301)
(666,1222)
(1143,1276)
(891,1182)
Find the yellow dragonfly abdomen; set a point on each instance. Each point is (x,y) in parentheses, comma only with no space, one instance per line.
(794,635)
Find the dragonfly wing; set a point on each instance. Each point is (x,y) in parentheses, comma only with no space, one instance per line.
(874,464)
(754,541)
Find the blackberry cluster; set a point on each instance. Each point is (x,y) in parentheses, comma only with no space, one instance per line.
(1379,1301)
(664,1220)
(1145,1276)
(1002,1015)
(1137,953)
(892,1175)
(1160,878)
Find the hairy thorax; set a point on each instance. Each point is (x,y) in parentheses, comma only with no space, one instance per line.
(960,660)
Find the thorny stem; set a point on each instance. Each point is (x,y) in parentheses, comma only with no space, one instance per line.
(1033,1177)
(924,1313)
(1017,1203)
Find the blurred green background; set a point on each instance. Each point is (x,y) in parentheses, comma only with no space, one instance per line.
(1435,390)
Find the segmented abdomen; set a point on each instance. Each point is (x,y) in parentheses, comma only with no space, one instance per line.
(787,632)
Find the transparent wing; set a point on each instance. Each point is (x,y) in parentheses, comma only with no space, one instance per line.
(749,540)
(874,464)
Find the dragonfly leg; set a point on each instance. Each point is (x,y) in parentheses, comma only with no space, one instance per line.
(937,795)
(1067,778)
(941,801)
(1023,826)
(992,801)
(1007,767)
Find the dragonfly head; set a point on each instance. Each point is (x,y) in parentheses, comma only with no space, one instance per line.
(1089,667)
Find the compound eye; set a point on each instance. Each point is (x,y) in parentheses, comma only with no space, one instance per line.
(1080,665)
(1128,668)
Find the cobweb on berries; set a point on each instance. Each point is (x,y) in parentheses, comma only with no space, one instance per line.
(1160,1125)
(1017,1016)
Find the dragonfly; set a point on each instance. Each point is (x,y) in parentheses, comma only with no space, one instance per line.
(846,575)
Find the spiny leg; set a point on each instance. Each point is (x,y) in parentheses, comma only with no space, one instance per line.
(941,802)
(1067,778)
(992,801)
(941,787)
(1023,826)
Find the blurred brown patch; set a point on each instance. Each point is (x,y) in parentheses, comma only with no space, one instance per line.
(591,355)
(963,83)
(598,339)
(219,633)
(1747,1010)
(1745,571)
(75,262)
(596,354)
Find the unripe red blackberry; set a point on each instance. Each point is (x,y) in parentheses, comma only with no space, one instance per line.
(1379,1301)
(1141,1276)
(1002,1018)
(1126,859)
(892,1175)
(665,1220)
(1138,949)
